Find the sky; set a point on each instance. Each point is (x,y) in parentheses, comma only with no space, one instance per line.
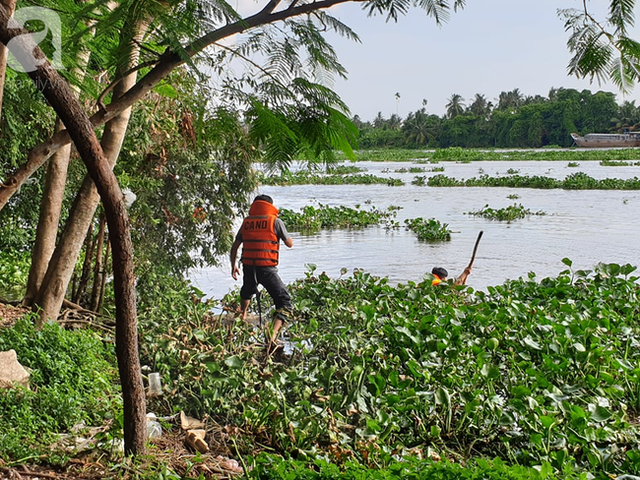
(489,47)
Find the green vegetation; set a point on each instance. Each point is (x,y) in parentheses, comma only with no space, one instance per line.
(618,163)
(14,273)
(575,181)
(429,230)
(273,468)
(507,214)
(74,386)
(515,121)
(380,381)
(312,219)
(343,169)
(533,372)
(419,180)
(465,155)
(305,177)
(411,170)
(377,374)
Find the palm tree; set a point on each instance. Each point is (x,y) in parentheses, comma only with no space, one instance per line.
(397,101)
(628,115)
(455,106)
(510,100)
(480,106)
(394,122)
(379,121)
(419,127)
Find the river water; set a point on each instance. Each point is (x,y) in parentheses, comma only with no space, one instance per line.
(586,226)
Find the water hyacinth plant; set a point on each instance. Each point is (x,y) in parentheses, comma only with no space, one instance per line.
(312,219)
(306,177)
(575,181)
(533,372)
(430,230)
(506,214)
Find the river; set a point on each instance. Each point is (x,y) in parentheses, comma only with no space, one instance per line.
(586,226)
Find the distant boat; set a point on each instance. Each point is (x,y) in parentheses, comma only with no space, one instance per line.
(603,140)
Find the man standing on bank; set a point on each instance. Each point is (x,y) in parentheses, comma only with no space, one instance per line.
(260,235)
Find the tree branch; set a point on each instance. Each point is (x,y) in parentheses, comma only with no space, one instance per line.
(167,63)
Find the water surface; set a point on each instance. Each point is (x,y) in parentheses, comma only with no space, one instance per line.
(587,226)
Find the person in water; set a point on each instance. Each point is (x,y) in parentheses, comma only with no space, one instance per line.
(440,275)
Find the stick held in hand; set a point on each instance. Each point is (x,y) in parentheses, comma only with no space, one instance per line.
(475,249)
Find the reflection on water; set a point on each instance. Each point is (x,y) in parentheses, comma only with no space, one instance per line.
(587,226)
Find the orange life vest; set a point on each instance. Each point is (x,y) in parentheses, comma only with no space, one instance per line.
(260,243)
(436,280)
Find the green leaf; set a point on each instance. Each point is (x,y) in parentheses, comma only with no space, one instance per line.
(443,397)
(546,421)
(579,347)
(166,90)
(601,414)
(234,362)
(531,343)
(520,391)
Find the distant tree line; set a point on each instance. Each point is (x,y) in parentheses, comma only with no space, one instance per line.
(516,121)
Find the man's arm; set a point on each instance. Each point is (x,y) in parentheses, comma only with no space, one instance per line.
(282,233)
(235,269)
(462,279)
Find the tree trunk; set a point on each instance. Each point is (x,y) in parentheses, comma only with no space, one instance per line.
(55,284)
(11,5)
(98,271)
(51,204)
(103,280)
(47,231)
(60,96)
(89,245)
(166,64)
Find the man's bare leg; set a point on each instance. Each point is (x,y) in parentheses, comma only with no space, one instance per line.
(244,306)
(275,329)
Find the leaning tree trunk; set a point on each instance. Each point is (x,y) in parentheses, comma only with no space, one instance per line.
(60,96)
(54,286)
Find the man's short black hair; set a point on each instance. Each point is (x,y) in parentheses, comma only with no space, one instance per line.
(440,272)
(264,198)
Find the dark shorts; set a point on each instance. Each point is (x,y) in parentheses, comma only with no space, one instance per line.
(267,277)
